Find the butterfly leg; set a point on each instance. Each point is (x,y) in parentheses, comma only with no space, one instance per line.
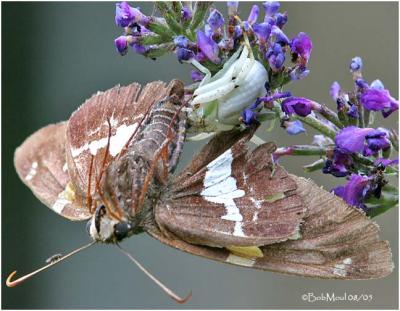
(89,200)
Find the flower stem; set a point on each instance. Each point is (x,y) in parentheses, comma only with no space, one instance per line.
(316,124)
(316,166)
(330,115)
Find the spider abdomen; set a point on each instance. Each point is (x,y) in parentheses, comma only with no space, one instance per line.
(231,105)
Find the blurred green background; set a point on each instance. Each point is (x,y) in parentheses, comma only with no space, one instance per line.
(55,55)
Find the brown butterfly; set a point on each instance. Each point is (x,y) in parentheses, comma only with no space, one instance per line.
(113,161)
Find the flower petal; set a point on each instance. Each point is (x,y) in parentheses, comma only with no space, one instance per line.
(351,139)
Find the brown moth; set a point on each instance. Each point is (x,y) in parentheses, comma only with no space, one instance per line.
(112,162)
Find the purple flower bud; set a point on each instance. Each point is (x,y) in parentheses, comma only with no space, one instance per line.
(271,7)
(355,191)
(386,162)
(339,164)
(208,46)
(181,41)
(249,116)
(196,75)
(186,13)
(232,7)
(255,10)
(302,46)
(184,54)
(299,72)
(280,37)
(208,30)
(353,112)
(275,96)
(297,105)
(294,127)
(238,32)
(361,84)
(138,48)
(369,141)
(351,139)
(356,64)
(376,140)
(379,100)
(125,15)
(200,56)
(275,56)
(215,20)
(262,31)
(281,19)
(334,90)
(377,85)
(121,44)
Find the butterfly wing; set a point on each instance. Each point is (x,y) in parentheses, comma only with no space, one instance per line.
(233,201)
(41,164)
(335,240)
(125,107)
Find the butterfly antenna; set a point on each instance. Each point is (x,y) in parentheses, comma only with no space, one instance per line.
(153,278)
(12,283)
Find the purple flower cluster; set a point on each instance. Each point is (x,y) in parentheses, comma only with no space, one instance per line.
(211,43)
(134,23)
(351,147)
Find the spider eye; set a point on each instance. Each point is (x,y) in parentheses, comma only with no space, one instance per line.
(121,230)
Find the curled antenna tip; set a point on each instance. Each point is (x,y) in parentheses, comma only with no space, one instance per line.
(10,283)
(183,300)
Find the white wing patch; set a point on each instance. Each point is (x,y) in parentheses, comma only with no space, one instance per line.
(117,141)
(220,187)
(32,172)
(65,197)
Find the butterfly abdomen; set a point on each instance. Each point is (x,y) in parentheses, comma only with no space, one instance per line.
(136,179)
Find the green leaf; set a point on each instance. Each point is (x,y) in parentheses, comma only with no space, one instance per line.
(162,6)
(157,27)
(177,8)
(159,50)
(199,14)
(173,24)
(151,40)
(316,166)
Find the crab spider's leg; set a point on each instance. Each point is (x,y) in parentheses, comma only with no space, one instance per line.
(241,68)
(240,62)
(227,64)
(241,77)
(226,78)
(214,94)
(246,66)
(203,69)
(221,77)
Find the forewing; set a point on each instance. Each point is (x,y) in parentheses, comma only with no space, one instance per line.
(235,200)
(88,129)
(337,242)
(41,164)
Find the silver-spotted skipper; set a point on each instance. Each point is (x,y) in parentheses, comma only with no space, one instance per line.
(113,163)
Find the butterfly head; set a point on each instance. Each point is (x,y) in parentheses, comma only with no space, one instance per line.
(102,227)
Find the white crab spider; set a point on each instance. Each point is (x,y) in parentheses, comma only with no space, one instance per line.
(219,100)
